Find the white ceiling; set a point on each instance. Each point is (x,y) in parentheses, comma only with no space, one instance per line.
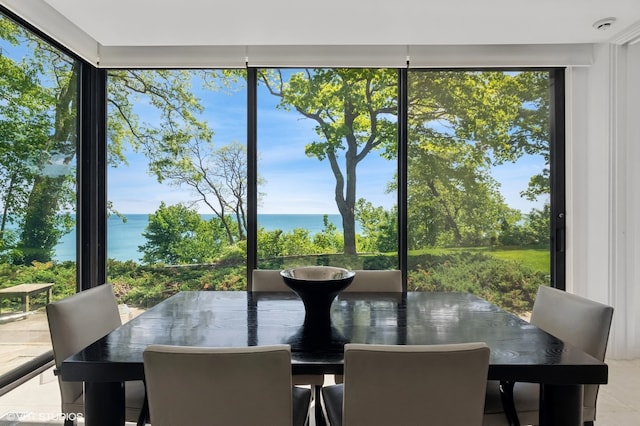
(210,22)
(121,23)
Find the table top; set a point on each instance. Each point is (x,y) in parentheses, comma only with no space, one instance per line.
(25,288)
(519,350)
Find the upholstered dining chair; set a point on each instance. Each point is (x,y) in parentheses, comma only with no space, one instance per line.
(271,280)
(576,320)
(380,280)
(74,323)
(243,386)
(412,385)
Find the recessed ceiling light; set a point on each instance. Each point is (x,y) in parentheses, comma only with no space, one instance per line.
(604,24)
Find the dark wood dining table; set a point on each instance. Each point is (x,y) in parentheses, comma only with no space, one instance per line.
(519,351)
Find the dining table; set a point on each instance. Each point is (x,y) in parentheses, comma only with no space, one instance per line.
(520,352)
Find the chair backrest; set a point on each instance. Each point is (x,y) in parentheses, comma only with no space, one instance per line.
(428,384)
(77,321)
(267,280)
(578,321)
(363,281)
(376,280)
(219,386)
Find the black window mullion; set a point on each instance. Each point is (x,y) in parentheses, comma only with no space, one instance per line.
(403,77)
(252,173)
(558,175)
(91,226)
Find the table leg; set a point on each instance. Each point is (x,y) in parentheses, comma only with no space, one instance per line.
(104,403)
(561,405)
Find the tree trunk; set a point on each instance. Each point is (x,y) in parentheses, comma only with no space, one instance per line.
(39,234)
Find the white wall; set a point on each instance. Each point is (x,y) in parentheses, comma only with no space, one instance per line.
(603,201)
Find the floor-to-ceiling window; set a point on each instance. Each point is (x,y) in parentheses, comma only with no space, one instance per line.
(326,168)
(39,100)
(479,187)
(176,182)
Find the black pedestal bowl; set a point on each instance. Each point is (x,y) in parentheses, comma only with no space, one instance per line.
(317,286)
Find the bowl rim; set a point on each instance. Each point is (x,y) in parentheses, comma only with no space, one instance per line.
(346,273)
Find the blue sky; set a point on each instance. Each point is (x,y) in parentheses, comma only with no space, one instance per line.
(293,182)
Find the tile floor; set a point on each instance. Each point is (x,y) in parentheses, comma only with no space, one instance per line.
(36,402)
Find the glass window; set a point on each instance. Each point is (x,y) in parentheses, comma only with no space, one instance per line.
(327,167)
(478,183)
(177,181)
(38,138)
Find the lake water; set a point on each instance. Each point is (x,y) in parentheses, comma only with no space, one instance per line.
(123,239)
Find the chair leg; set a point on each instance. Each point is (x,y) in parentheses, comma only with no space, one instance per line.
(144,417)
(508,404)
(144,413)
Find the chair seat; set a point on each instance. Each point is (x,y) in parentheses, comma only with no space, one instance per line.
(301,402)
(332,398)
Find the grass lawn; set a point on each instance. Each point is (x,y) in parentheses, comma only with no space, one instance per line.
(537,259)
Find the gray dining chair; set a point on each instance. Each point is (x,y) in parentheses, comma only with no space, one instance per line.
(379,280)
(576,320)
(408,385)
(244,386)
(74,323)
(270,280)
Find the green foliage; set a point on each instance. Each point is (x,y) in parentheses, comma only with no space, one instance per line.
(380,227)
(329,240)
(234,255)
(507,283)
(532,231)
(178,235)
(278,243)
(460,125)
(146,286)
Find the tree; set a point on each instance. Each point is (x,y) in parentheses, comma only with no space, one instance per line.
(329,239)
(41,138)
(178,235)
(380,227)
(461,124)
(216,175)
(179,144)
(353,110)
